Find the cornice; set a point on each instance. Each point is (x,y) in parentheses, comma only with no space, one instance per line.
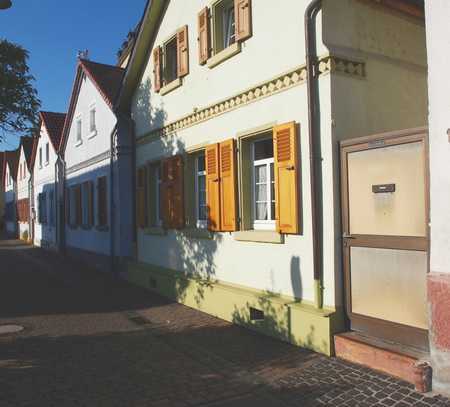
(295,77)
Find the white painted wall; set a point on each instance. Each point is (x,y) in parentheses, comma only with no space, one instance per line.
(91,240)
(438,42)
(44,182)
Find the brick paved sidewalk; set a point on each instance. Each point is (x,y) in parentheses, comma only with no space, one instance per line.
(95,341)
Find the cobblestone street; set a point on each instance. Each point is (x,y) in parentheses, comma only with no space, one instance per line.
(91,340)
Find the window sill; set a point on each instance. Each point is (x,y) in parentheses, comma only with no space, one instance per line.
(224,55)
(78,143)
(198,233)
(170,86)
(92,134)
(259,236)
(155,231)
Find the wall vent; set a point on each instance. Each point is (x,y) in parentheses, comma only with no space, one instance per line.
(256,314)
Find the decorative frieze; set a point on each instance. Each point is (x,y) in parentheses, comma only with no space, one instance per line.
(325,65)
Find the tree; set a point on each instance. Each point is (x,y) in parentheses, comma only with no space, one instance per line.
(19,104)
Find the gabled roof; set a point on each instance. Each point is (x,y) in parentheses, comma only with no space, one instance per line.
(28,144)
(12,159)
(106,78)
(54,124)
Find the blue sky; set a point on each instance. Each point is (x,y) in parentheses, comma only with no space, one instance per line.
(54,30)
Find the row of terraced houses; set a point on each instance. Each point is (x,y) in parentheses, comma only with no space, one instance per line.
(284,167)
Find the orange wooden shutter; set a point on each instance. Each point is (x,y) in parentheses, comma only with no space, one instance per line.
(140,197)
(157,62)
(286,177)
(183,51)
(172,192)
(213,186)
(204,38)
(243,18)
(228,193)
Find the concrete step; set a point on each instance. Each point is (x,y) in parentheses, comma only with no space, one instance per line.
(408,364)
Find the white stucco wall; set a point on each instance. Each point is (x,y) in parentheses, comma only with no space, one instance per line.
(44,182)
(438,43)
(78,167)
(286,268)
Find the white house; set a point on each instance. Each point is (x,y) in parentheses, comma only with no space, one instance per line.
(44,178)
(24,188)
(9,180)
(238,119)
(95,229)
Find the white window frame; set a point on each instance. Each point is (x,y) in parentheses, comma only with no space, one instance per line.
(92,130)
(200,223)
(221,15)
(158,183)
(47,153)
(270,223)
(79,135)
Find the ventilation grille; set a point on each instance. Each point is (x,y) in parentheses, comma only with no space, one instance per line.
(225,157)
(256,314)
(284,145)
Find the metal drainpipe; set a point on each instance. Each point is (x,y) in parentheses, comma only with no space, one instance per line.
(314,147)
(111,199)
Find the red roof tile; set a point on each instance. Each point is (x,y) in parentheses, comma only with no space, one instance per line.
(54,124)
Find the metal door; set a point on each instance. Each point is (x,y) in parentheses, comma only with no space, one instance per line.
(385,235)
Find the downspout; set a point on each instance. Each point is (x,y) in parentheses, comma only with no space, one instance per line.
(315,159)
(111,200)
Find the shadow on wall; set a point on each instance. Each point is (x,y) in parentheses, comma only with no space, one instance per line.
(189,251)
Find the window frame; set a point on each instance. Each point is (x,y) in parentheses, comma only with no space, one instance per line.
(40,157)
(158,185)
(199,223)
(47,153)
(92,123)
(270,223)
(219,27)
(79,130)
(171,39)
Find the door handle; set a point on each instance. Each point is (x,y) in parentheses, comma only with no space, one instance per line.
(348,236)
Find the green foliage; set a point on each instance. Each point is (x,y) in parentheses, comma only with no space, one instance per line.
(19,104)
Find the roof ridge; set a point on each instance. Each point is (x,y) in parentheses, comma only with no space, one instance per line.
(88,61)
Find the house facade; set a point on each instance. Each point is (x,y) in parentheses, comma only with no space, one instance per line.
(25,216)
(10,186)
(44,178)
(238,199)
(438,34)
(92,170)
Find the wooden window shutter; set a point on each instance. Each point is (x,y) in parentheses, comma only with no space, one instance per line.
(204,37)
(228,184)
(67,205)
(243,18)
(183,51)
(286,178)
(172,192)
(91,203)
(102,201)
(78,205)
(213,186)
(140,197)
(157,62)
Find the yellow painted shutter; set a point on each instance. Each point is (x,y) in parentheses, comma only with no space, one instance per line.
(157,68)
(183,51)
(140,198)
(204,38)
(228,186)
(213,186)
(285,142)
(243,18)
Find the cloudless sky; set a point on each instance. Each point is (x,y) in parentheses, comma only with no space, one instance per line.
(54,30)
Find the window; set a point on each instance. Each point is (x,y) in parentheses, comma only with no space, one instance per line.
(47,153)
(92,121)
(263,185)
(229,26)
(224,25)
(170,64)
(40,157)
(86,203)
(158,183)
(102,202)
(79,131)
(75,206)
(42,209)
(200,192)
